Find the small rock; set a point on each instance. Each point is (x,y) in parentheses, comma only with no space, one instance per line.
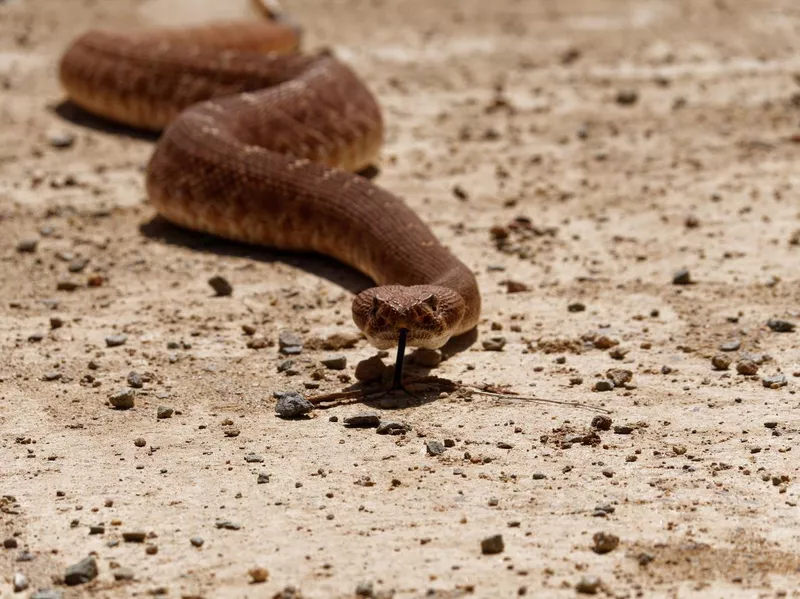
(221,286)
(47,594)
(427,358)
(289,339)
(78,264)
(588,585)
(27,246)
(371,369)
(139,442)
(365,589)
(335,362)
(393,428)
(134,536)
(135,380)
(682,277)
(163,412)
(82,572)
(337,341)
(539,476)
(492,545)
(20,582)
(691,222)
(774,382)
(363,420)
(604,542)
(67,285)
(151,549)
(257,342)
(51,376)
(602,423)
(227,525)
(603,386)
(619,376)
(434,447)
(293,405)
(122,399)
(780,326)
(253,458)
(494,344)
(721,362)
(623,429)
(746,367)
(263,478)
(197,541)
(576,307)
(122,574)
(60,139)
(116,340)
(259,575)
(627,97)
(732,345)
(516,287)
(56,322)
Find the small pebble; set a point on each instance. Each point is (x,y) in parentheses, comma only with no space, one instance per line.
(56,322)
(494,344)
(139,442)
(163,412)
(576,307)
(746,367)
(721,362)
(263,478)
(682,277)
(774,382)
(151,549)
(371,369)
(20,582)
(121,574)
(122,399)
(588,585)
(82,572)
(60,139)
(390,427)
(116,340)
(619,376)
(780,326)
(293,405)
(134,536)
(604,542)
(259,575)
(434,447)
(365,589)
(197,541)
(602,423)
(335,362)
(627,97)
(603,385)
(135,380)
(221,286)
(427,358)
(363,420)
(492,545)
(732,345)
(27,246)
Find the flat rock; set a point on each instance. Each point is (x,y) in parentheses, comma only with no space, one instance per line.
(363,420)
(82,572)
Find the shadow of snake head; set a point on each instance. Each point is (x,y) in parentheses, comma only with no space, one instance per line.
(429,313)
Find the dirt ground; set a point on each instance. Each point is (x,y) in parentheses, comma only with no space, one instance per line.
(574,153)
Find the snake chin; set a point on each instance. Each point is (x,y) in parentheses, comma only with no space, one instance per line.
(430,314)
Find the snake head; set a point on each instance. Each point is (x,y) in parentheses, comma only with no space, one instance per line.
(429,313)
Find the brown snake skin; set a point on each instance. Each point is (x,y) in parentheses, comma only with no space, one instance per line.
(259,146)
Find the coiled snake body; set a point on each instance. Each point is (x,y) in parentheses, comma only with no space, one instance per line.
(259,146)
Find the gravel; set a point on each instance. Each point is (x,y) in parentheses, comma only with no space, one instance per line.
(492,545)
(82,572)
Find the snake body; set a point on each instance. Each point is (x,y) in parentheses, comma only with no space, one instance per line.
(259,145)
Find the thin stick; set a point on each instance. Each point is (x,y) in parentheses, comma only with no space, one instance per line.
(397,383)
(574,404)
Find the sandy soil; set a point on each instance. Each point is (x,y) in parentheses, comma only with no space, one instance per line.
(587,150)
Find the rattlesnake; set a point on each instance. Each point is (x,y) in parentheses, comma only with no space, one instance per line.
(260,143)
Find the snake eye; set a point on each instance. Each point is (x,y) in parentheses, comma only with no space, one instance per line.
(432,301)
